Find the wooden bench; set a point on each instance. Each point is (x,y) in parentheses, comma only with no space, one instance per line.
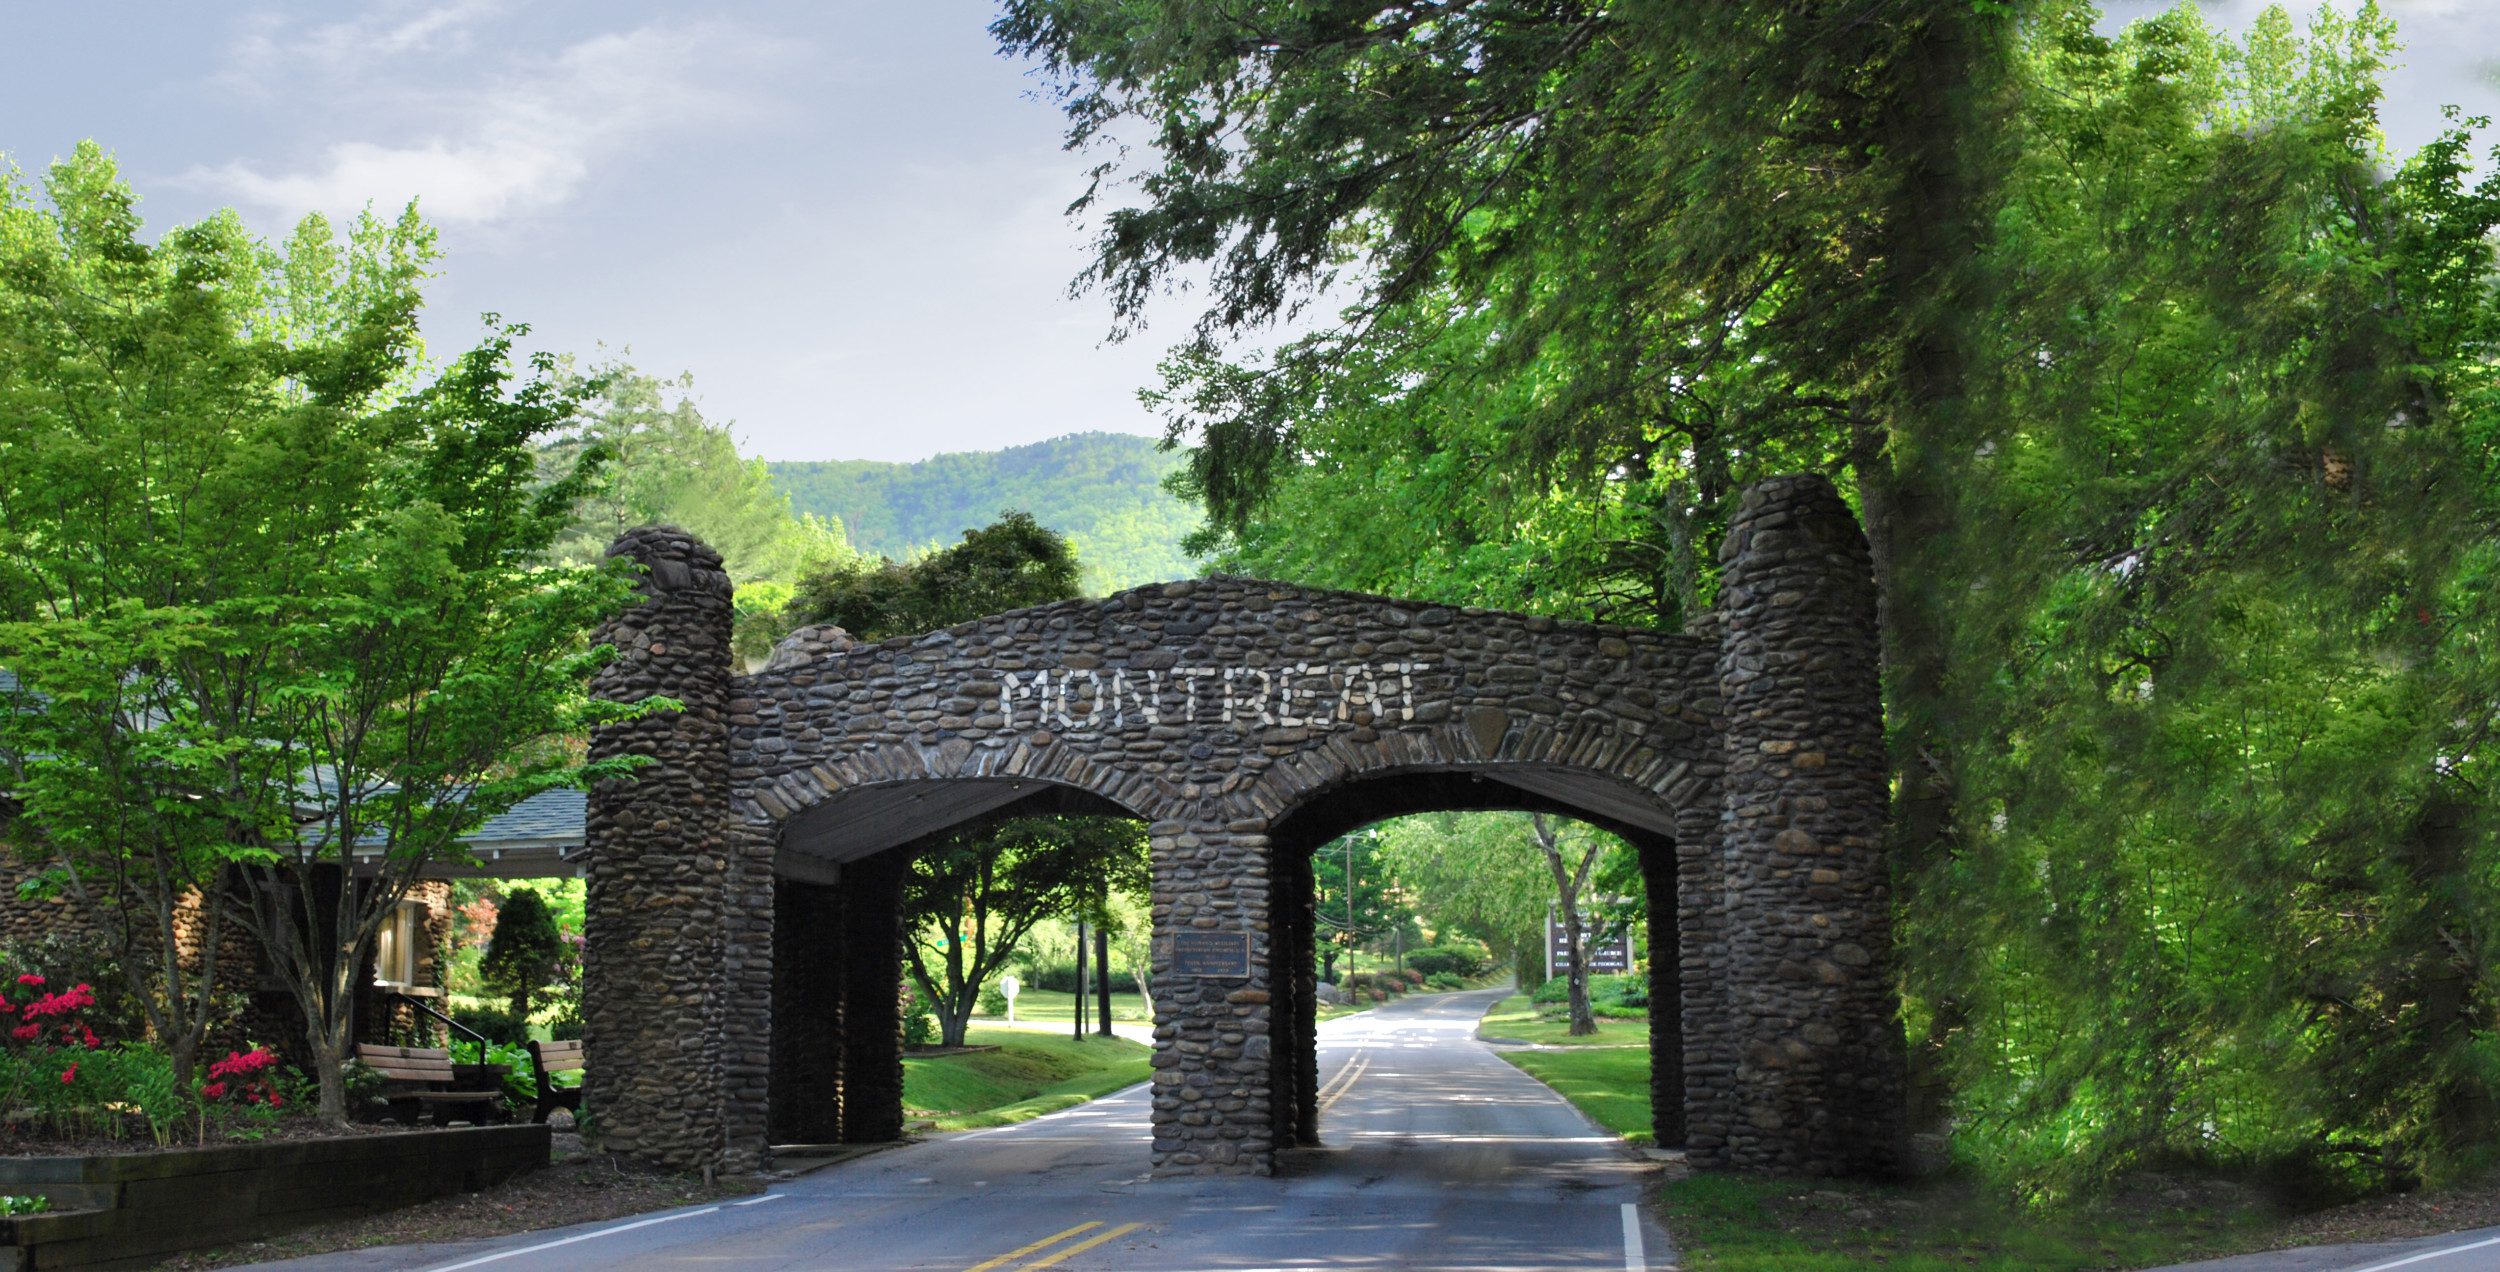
(549,1058)
(419,1078)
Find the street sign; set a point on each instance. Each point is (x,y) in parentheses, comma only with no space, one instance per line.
(1611,957)
(1008,985)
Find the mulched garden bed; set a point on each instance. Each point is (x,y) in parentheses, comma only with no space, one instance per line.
(2474,1204)
(580,1187)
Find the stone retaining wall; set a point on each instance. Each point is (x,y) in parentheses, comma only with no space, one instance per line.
(131,1209)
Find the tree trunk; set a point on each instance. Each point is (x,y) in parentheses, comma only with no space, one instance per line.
(1568,883)
(1102,979)
(1575,942)
(330,1074)
(954,1018)
(325,1044)
(2444,955)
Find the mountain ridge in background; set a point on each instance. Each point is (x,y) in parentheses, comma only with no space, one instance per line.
(1102,490)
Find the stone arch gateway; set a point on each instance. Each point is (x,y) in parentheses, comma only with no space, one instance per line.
(744,888)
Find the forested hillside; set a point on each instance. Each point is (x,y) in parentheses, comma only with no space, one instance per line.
(1104,491)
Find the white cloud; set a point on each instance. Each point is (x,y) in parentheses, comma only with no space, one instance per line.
(479,138)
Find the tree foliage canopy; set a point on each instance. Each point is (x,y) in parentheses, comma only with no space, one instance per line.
(2167,397)
(274,589)
(1009,564)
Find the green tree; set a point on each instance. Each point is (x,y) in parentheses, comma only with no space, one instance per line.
(1469,871)
(2166,399)
(665,464)
(1571,852)
(1012,563)
(1355,901)
(523,954)
(975,894)
(1611,260)
(274,614)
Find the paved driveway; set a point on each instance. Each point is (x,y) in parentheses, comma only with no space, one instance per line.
(1440,1155)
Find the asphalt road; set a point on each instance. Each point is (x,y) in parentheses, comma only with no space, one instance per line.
(1439,1155)
(2476,1251)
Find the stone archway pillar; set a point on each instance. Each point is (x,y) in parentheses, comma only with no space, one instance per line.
(1805,929)
(807,1052)
(656,977)
(1665,956)
(1214,1084)
(871,945)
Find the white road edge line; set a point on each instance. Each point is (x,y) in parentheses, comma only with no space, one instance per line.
(584,1236)
(757,1201)
(1090,1106)
(1634,1259)
(2431,1254)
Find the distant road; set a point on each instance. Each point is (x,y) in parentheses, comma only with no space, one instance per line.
(1440,1155)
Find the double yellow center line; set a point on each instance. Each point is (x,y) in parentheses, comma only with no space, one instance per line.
(1344,1081)
(1063,1252)
(1328,1096)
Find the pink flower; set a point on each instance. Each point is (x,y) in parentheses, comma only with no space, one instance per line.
(69,1075)
(276,1100)
(214,1090)
(26,1033)
(90,1039)
(30,979)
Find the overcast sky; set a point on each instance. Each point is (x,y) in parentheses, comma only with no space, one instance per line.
(844,217)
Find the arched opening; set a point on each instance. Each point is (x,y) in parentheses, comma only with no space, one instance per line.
(1639,819)
(843,932)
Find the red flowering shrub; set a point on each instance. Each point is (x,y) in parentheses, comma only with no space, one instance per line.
(245,1078)
(57,1019)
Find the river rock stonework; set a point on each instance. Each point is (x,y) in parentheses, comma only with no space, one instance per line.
(1247,723)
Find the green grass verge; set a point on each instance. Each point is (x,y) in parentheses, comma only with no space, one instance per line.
(1610,1084)
(1741,1223)
(1029,1075)
(1517,1019)
(1034,1004)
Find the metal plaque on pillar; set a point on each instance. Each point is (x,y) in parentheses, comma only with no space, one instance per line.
(1197,952)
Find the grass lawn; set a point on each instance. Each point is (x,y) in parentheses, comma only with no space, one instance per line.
(1030,1074)
(1518,1020)
(1731,1223)
(1034,1004)
(1610,1084)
